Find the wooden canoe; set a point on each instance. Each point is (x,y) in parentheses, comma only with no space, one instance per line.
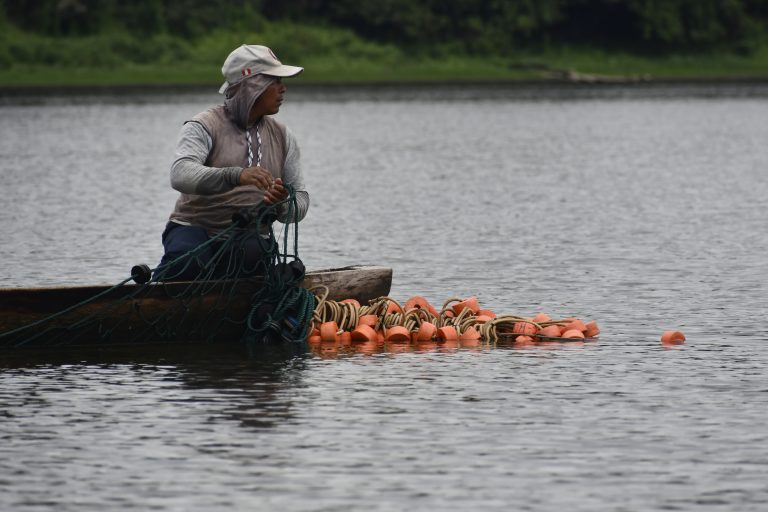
(155,312)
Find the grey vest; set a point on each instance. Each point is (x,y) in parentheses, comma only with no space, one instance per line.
(230,149)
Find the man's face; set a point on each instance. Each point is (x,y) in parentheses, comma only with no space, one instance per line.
(269,102)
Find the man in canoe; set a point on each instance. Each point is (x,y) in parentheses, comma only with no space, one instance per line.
(231,157)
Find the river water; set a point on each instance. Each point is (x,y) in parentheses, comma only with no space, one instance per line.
(640,207)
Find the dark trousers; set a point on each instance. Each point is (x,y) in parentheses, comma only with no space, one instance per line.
(246,257)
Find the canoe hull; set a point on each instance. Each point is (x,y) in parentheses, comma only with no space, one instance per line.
(158,313)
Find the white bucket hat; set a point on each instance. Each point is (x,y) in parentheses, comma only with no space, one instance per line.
(253,59)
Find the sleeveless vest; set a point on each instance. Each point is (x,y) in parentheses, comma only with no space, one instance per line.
(230,149)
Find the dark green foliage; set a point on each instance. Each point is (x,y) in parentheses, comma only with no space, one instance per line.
(495,27)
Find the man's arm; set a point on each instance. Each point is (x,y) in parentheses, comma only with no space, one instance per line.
(291,174)
(189,174)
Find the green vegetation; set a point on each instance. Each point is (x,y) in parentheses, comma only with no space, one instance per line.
(84,42)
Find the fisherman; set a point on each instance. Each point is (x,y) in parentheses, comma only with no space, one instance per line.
(233,156)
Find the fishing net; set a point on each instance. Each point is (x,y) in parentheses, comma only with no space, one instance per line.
(231,294)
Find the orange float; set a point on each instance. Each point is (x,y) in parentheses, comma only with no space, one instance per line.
(397,333)
(673,338)
(470,303)
(524,328)
(486,312)
(573,333)
(345,337)
(369,320)
(550,331)
(354,302)
(575,324)
(364,333)
(447,333)
(419,302)
(592,329)
(426,332)
(393,308)
(329,332)
(469,334)
(523,340)
(541,318)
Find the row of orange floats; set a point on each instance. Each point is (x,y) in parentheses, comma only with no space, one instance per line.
(460,319)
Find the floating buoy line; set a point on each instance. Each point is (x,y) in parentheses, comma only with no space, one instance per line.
(459,319)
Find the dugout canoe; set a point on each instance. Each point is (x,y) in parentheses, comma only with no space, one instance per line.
(157,312)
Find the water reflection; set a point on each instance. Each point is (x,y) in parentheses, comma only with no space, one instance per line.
(328,350)
(254,383)
(257,388)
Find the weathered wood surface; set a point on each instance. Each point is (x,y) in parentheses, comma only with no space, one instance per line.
(157,314)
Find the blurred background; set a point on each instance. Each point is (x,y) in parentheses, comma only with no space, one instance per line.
(84,42)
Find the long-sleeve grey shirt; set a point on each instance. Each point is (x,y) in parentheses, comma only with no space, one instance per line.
(190,175)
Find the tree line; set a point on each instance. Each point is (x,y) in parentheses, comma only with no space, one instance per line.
(497,27)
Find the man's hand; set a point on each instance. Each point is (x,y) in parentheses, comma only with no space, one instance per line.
(275,193)
(258,176)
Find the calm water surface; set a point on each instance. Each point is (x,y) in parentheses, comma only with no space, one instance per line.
(641,208)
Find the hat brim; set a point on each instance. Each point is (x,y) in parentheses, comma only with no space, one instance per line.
(283,71)
(278,71)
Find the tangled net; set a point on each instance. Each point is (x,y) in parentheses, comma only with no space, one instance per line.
(233,293)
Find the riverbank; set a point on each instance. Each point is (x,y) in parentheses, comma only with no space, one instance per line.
(350,60)
(529,71)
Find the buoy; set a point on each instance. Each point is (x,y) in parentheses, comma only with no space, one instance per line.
(426,332)
(369,320)
(673,338)
(141,274)
(447,333)
(419,302)
(345,337)
(397,333)
(523,340)
(329,332)
(575,324)
(486,312)
(354,302)
(592,329)
(524,328)
(573,333)
(469,334)
(550,331)
(470,303)
(364,333)
(541,318)
(393,308)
